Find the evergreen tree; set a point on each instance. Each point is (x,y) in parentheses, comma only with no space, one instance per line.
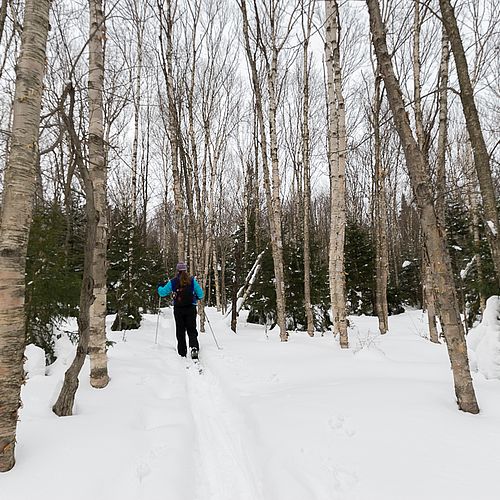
(359,268)
(462,251)
(53,274)
(134,271)
(262,300)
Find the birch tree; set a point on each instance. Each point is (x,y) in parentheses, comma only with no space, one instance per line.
(97,166)
(166,12)
(337,146)
(65,401)
(307,19)
(479,149)
(380,215)
(17,203)
(423,141)
(270,48)
(435,239)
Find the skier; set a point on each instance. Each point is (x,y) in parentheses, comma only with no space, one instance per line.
(186,292)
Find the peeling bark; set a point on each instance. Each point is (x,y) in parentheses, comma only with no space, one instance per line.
(17,204)
(336,161)
(97,169)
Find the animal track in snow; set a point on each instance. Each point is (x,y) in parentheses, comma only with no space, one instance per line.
(340,426)
(342,479)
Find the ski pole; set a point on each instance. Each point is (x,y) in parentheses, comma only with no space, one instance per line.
(157,320)
(211,329)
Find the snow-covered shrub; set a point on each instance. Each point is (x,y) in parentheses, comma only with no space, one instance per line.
(35,361)
(484,340)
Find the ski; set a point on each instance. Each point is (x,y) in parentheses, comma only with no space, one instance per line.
(197,365)
(194,363)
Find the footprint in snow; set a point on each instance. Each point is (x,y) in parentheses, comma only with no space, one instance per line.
(144,466)
(342,479)
(142,470)
(339,425)
(144,380)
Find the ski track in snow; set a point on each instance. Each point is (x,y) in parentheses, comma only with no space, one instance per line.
(223,466)
(225,469)
(160,419)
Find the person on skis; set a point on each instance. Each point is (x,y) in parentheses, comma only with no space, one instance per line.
(186,292)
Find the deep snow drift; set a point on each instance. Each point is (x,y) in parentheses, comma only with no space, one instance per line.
(302,420)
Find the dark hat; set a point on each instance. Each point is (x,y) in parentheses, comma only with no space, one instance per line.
(181,266)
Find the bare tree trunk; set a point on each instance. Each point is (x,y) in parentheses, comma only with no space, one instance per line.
(423,143)
(429,290)
(223,281)
(3,16)
(382,249)
(276,235)
(166,31)
(17,205)
(336,161)
(215,267)
(443,129)
(272,194)
(306,155)
(97,168)
(139,28)
(66,398)
(428,297)
(244,291)
(481,155)
(417,84)
(433,233)
(474,203)
(395,231)
(125,309)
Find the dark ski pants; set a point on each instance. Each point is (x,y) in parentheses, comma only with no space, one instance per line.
(185,321)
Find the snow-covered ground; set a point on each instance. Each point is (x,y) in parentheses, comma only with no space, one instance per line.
(266,420)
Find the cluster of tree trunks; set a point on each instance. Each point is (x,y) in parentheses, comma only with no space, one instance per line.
(197,121)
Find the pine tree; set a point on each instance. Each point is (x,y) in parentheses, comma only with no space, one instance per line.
(53,276)
(131,288)
(360,268)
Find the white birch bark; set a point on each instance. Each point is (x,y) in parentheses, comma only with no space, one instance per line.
(422,140)
(306,156)
(174,136)
(272,193)
(336,160)
(97,167)
(17,204)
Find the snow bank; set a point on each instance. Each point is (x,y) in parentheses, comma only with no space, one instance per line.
(484,340)
(35,361)
(267,420)
(65,353)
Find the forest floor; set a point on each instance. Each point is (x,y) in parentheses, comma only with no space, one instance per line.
(266,420)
